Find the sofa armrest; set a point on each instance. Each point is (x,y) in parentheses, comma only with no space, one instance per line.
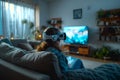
(13,72)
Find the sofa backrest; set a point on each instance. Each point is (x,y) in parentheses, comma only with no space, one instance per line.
(22,43)
(43,62)
(15,42)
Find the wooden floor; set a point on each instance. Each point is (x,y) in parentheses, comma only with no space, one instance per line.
(93,59)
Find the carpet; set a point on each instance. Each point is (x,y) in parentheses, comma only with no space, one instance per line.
(91,64)
(88,62)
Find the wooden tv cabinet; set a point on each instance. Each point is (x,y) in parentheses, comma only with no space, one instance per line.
(76,49)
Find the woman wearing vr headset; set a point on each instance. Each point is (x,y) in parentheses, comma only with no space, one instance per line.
(51,42)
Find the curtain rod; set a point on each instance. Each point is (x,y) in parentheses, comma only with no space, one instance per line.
(32,2)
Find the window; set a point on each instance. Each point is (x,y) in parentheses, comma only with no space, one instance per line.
(1,33)
(11,17)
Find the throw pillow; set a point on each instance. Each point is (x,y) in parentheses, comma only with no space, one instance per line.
(25,46)
(15,42)
(6,40)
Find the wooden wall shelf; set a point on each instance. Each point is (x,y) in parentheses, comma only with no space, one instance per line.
(55,22)
(109,25)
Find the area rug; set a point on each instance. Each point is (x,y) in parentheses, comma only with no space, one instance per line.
(91,64)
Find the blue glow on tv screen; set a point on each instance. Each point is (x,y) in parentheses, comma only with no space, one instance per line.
(76,34)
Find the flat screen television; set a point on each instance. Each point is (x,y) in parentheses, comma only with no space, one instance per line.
(76,34)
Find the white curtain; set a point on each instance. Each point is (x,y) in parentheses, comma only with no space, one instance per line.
(13,13)
(1,31)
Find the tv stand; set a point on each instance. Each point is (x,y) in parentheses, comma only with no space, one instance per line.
(76,49)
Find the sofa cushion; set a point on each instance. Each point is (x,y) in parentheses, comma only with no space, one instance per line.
(15,42)
(25,46)
(22,43)
(44,62)
(10,53)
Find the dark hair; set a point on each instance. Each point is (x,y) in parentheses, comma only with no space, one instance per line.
(51,31)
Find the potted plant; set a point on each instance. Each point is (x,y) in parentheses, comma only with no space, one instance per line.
(100,13)
(103,52)
(115,54)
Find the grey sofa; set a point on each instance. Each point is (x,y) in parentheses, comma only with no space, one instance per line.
(19,64)
(9,71)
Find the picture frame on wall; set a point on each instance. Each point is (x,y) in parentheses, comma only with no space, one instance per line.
(77,13)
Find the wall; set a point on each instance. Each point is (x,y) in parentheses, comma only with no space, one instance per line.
(64,9)
(43,12)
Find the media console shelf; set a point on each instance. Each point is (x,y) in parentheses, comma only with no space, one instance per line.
(76,49)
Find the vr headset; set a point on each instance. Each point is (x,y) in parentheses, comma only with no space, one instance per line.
(56,37)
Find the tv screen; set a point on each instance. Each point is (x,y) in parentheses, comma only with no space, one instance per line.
(76,34)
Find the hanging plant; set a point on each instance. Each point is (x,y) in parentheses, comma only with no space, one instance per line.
(31,25)
(24,21)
